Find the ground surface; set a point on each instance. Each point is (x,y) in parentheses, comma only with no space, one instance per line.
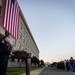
(53,71)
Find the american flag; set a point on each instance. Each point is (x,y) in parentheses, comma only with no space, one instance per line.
(10,20)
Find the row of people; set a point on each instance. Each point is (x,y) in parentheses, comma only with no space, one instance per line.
(68,65)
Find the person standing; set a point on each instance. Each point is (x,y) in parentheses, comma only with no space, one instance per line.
(65,67)
(72,63)
(4,53)
(69,66)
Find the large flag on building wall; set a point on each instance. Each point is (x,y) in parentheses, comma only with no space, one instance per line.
(10,20)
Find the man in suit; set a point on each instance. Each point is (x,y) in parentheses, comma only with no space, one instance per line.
(4,53)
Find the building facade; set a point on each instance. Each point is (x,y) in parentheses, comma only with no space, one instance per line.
(25,39)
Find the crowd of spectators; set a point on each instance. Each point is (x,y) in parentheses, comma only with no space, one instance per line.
(68,65)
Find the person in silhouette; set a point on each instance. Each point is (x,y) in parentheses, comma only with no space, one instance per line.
(72,63)
(4,53)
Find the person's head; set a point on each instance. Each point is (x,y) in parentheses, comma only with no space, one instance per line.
(7,38)
(71,58)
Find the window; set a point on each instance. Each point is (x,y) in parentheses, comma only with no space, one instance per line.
(26,35)
(22,48)
(20,35)
(14,41)
(24,30)
(19,45)
(23,39)
(20,25)
(26,43)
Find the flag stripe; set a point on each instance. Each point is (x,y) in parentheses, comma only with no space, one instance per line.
(17,21)
(4,12)
(13,21)
(10,27)
(10,20)
(8,15)
(15,18)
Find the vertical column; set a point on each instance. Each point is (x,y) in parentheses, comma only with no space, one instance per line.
(28,64)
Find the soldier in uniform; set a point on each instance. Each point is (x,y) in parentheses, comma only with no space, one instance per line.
(4,53)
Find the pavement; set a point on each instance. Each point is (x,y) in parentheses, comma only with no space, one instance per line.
(54,71)
(35,72)
(50,71)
